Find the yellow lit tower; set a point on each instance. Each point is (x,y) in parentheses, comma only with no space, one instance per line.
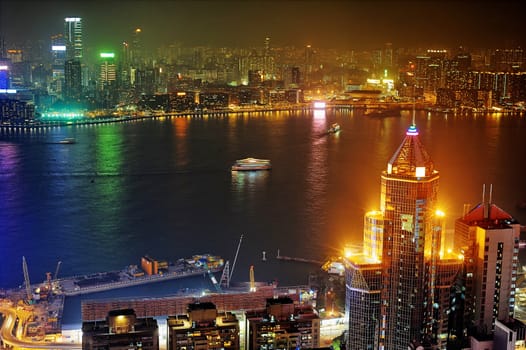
(398,286)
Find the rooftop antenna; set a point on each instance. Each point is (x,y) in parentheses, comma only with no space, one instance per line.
(490,193)
(414,104)
(483,192)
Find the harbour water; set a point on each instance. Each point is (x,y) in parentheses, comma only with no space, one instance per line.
(163,187)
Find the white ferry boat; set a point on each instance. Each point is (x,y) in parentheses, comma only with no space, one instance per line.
(248,164)
(68,141)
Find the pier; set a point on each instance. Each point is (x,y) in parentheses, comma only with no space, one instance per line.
(296,259)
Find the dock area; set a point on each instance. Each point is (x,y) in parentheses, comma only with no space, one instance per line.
(150,271)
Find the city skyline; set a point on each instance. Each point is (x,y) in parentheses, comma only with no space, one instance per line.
(332,24)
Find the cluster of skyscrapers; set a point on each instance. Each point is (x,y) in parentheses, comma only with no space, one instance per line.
(409,288)
(61,75)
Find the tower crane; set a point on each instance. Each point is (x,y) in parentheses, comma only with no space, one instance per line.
(26,280)
(227,272)
(56,270)
(235,257)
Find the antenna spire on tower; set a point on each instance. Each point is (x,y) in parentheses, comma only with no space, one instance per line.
(490,193)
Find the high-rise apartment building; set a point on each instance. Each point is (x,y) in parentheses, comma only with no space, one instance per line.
(203,327)
(122,329)
(398,287)
(73,37)
(282,325)
(489,239)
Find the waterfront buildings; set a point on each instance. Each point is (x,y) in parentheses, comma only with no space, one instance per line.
(122,329)
(398,290)
(265,318)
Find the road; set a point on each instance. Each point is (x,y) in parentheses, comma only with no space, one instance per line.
(12,334)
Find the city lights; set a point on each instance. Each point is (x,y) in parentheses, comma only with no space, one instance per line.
(107,55)
(319,104)
(95,131)
(58,47)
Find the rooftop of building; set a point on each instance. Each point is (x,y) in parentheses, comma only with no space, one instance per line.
(363,261)
(201,306)
(488,216)
(411,158)
(121,312)
(513,324)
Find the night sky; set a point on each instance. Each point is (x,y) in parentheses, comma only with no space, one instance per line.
(243,23)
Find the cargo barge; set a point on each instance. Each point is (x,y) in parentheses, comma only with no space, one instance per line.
(150,271)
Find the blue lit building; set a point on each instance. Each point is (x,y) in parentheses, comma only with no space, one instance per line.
(4,74)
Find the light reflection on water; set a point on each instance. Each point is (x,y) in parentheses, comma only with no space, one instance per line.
(164,187)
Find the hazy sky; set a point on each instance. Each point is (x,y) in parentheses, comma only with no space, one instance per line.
(340,23)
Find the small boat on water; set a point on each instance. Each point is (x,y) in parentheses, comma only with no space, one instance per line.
(67,141)
(335,127)
(248,164)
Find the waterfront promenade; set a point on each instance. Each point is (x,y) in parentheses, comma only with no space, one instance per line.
(111,116)
(116,117)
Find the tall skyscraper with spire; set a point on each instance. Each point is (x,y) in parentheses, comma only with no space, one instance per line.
(398,287)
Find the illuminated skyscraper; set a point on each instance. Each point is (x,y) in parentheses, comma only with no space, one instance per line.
(73,37)
(398,286)
(107,79)
(4,74)
(108,72)
(58,55)
(136,49)
(72,80)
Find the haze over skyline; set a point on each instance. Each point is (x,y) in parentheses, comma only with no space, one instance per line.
(237,23)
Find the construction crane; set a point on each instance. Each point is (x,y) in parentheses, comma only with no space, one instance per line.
(227,272)
(54,281)
(235,257)
(26,280)
(56,270)
(225,279)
